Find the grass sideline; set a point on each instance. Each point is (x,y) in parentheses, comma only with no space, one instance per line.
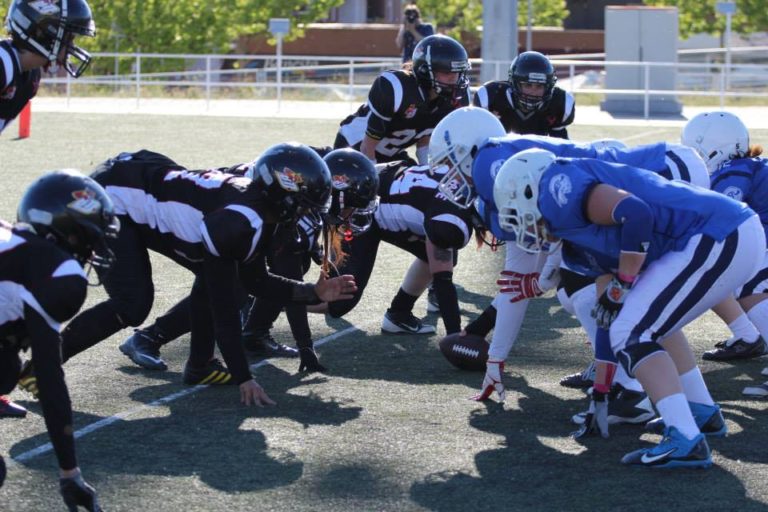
(390,427)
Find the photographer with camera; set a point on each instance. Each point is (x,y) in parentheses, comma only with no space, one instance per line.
(412,31)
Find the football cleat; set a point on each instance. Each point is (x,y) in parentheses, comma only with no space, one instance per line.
(581,380)
(404,323)
(143,350)
(214,372)
(732,350)
(709,419)
(760,391)
(432,305)
(9,409)
(674,451)
(262,344)
(27,379)
(624,406)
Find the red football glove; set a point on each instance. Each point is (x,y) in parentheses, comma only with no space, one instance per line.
(520,286)
(492,381)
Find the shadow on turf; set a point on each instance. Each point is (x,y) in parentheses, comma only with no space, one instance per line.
(537,466)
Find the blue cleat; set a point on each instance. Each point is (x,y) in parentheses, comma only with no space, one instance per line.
(708,418)
(674,451)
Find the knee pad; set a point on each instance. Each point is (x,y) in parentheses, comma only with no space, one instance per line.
(631,356)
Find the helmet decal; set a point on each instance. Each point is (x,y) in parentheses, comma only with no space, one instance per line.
(289,179)
(85,202)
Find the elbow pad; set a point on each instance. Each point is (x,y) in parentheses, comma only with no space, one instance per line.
(636,221)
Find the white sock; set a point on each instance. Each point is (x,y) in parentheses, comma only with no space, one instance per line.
(743,329)
(509,319)
(625,380)
(582,302)
(695,388)
(676,412)
(759,316)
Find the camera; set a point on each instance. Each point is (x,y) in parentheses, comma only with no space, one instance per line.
(411,16)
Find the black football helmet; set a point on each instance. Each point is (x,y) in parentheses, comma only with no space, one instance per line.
(355,185)
(47,26)
(292,180)
(531,67)
(441,53)
(74,212)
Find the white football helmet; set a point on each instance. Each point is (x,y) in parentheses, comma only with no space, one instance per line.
(516,194)
(453,143)
(608,143)
(717,137)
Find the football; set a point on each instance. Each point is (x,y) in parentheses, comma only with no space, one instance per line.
(468,352)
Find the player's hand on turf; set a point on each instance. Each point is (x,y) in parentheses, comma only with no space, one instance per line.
(251,393)
(596,421)
(519,286)
(309,362)
(337,288)
(76,492)
(492,381)
(610,302)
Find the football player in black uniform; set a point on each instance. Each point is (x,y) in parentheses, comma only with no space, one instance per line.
(217,225)
(42,34)
(529,103)
(64,219)
(355,184)
(413,216)
(405,105)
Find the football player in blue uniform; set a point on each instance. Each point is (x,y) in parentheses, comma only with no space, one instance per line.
(42,35)
(676,250)
(65,219)
(738,171)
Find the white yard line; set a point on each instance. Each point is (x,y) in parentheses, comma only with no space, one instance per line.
(30,454)
(644,134)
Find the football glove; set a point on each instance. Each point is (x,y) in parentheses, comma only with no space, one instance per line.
(77,492)
(492,381)
(309,362)
(610,302)
(520,286)
(597,417)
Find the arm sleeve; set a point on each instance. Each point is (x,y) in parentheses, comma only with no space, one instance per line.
(259,282)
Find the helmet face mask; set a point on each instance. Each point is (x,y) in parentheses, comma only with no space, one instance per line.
(531,68)
(717,137)
(452,148)
(516,193)
(441,54)
(49,29)
(75,213)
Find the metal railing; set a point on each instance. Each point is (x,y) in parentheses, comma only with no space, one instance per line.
(349,78)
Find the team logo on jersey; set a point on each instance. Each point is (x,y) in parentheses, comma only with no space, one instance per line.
(46,6)
(410,112)
(734,193)
(340,182)
(559,188)
(289,179)
(495,166)
(8,93)
(85,202)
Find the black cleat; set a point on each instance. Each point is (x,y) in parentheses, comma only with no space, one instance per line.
(144,350)
(432,305)
(404,323)
(739,349)
(583,380)
(263,345)
(214,372)
(9,409)
(624,406)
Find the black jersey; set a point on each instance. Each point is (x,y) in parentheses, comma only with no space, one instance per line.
(397,114)
(16,87)
(41,287)
(411,209)
(551,120)
(185,212)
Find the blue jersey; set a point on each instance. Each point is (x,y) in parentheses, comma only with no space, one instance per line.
(746,180)
(679,212)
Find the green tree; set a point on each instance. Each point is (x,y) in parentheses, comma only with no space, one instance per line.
(193,26)
(457,16)
(697,16)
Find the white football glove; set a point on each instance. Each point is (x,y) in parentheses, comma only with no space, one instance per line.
(492,382)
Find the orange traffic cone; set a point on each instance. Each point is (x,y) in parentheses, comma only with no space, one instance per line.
(25,121)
